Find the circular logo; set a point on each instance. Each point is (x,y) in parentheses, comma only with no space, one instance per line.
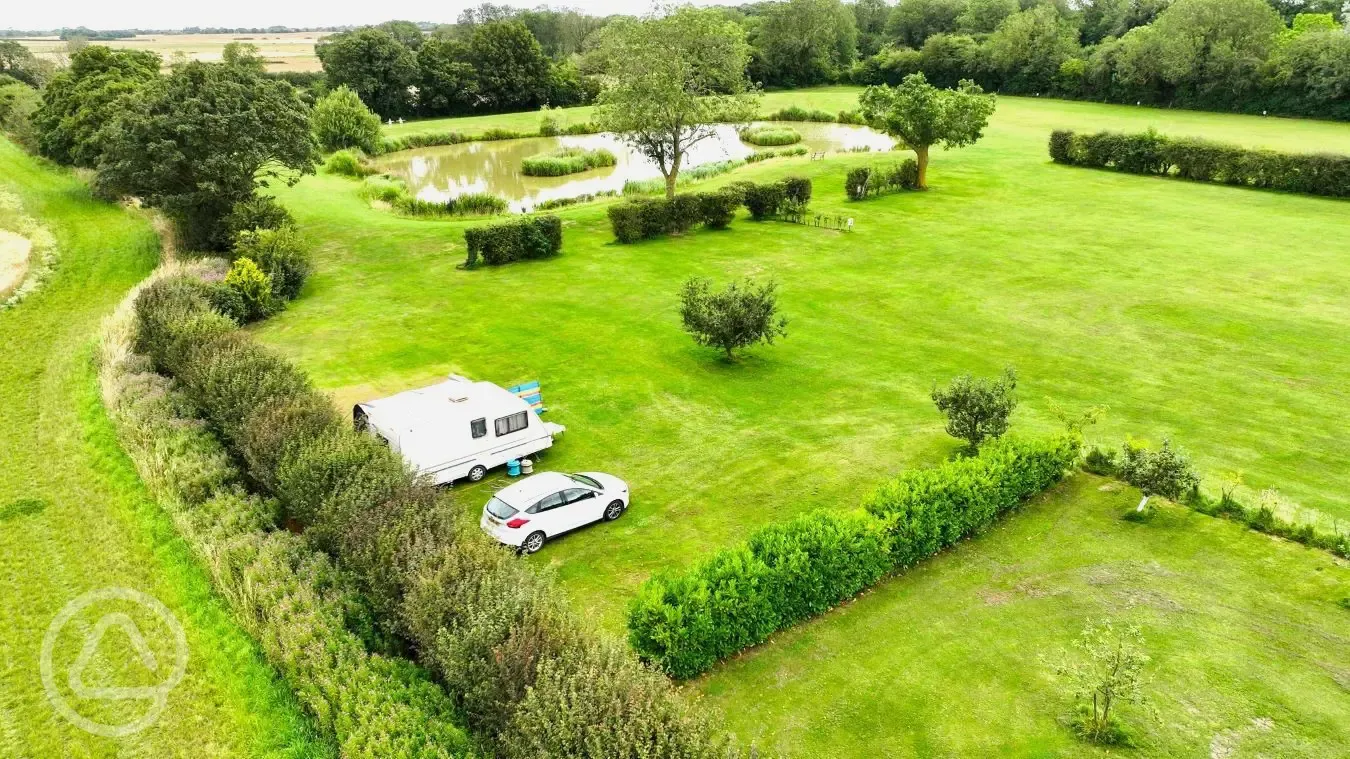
(156,695)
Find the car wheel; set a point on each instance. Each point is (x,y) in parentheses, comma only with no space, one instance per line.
(613,511)
(533,542)
(477,473)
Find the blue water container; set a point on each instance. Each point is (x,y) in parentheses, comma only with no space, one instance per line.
(513,468)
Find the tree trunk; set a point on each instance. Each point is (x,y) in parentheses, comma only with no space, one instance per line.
(673,175)
(921,154)
(1142,503)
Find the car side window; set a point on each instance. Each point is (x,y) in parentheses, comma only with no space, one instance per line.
(578,494)
(548,502)
(478,428)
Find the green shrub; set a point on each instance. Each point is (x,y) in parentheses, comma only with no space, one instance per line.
(566,161)
(717,209)
(1167,472)
(281,254)
(340,120)
(1100,462)
(529,237)
(764,201)
(257,212)
(855,182)
(383,188)
(254,288)
(479,203)
(796,190)
(977,408)
(626,221)
(1205,161)
(871,181)
(348,163)
(926,510)
(766,136)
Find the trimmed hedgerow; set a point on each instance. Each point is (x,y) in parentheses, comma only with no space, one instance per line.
(644,218)
(871,181)
(1205,161)
(927,510)
(687,621)
(292,600)
(566,161)
(525,238)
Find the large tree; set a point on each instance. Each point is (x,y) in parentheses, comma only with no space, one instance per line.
(671,80)
(446,81)
(922,115)
(912,22)
(80,101)
(1212,49)
(202,139)
(375,65)
(1029,47)
(511,69)
(805,42)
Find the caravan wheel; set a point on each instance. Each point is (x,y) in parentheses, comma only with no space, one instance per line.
(477,473)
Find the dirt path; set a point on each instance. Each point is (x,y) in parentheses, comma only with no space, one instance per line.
(14,250)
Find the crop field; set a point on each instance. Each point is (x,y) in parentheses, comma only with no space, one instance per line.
(288,51)
(75,518)
(1209,315)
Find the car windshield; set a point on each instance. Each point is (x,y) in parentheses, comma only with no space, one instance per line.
(587,481)
(500,509)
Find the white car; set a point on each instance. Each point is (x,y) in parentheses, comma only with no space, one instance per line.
(528,513)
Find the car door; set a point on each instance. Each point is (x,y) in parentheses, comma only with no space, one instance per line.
(584,504)
(550,513)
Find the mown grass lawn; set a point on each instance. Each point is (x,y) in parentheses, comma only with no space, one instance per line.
(1213,315)
(1251,654)
(75,518)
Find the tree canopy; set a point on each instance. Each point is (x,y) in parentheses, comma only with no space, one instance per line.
(78,103)
(375,65)
(671,80)
(202,139)
(922,115)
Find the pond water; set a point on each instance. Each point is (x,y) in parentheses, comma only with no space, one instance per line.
(441,173)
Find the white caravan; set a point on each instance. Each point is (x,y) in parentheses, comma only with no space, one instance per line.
(458,428)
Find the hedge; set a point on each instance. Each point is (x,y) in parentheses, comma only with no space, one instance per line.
(1205,161)
(528,237)
(871,181)
(292,600)
(502,642)
(644,218)
(687,621)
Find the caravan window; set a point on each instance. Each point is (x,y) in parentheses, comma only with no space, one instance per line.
(513,423)
(478,428)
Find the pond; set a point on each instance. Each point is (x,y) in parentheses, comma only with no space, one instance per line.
(441,173)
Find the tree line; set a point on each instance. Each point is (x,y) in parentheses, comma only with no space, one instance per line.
(1282,56)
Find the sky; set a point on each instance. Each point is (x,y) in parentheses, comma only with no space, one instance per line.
(176,14)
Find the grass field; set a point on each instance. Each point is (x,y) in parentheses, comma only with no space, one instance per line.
(1212,315)
(1250,651)
(75,518)
(289,51)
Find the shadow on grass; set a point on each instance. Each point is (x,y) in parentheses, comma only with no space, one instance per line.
(21,508)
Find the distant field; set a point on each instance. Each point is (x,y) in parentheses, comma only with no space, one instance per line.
(292,51)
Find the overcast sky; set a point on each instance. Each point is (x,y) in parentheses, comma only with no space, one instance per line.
(176,14)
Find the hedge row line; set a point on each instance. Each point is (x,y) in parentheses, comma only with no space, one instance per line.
(520,239)
(871,181)
(1261,518)
(687,621)
(288,597)
(523,671)
(644,218)
(1205,161)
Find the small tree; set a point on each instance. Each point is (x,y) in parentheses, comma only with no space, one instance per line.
(977,408)
(254,288)
(922,115)
(1105,669)
(670,81)
(736,317)
(340,120)
(1167,472)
